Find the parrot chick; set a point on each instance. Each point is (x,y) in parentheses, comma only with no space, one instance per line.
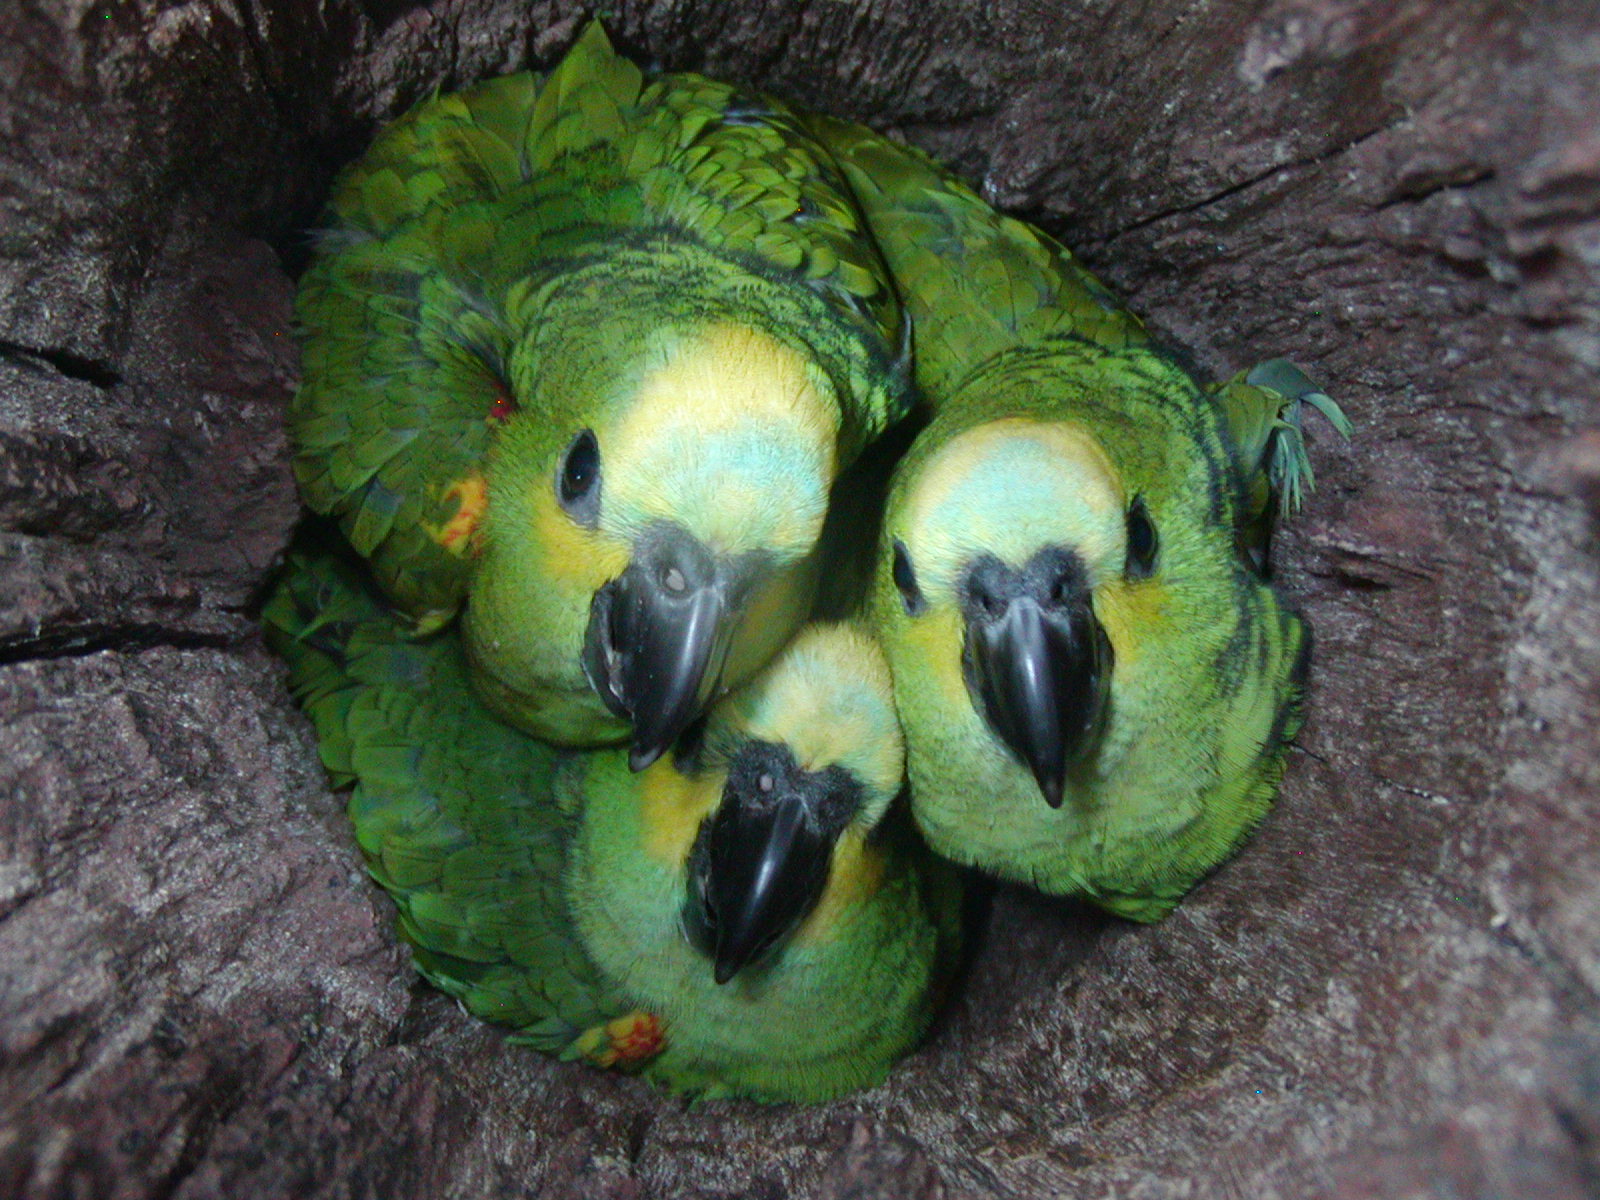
(743,918)
(1096,684)
(756,895)
(584,355)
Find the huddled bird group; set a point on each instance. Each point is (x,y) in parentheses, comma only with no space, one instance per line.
(591,363)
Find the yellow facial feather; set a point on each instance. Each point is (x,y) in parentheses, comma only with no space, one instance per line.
(830,700)
(1134,614)
(673,806)
(730,375)
(855,878)
(935,638)
(574,553)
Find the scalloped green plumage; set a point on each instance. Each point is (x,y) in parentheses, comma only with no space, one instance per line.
(1025,358)
(544,888)
(478,250)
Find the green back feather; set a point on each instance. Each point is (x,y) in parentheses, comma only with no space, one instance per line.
(470,195)
(521,879)
(456,814)
(1265,412)
(1207,683)
(978,283)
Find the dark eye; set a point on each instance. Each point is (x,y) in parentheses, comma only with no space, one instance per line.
(1142,542)
(906,580)
(579,485)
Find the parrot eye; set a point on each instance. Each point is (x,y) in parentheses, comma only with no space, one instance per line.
(1142,542)
(579,486)
(906,580)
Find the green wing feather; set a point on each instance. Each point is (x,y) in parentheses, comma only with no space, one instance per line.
(500,186)
(393,410)
(1007,323)
(975,281)
(456,814)
(1265,410)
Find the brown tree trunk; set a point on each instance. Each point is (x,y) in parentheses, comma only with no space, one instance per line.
(1391,992)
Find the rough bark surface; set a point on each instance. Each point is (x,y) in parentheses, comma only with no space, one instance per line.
(1391,993)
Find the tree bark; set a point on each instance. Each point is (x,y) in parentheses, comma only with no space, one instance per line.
(1392,992)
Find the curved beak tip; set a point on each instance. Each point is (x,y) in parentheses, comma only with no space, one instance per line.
(764,866)
(1054,791)
(656,655)
(640,757)
(1039,680)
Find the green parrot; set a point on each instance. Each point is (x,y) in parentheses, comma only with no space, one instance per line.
(583,356)
(745,917)
(1097,685)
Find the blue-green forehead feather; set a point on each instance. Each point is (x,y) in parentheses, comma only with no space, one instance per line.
(1011,487)
(1009,483)
(829,699)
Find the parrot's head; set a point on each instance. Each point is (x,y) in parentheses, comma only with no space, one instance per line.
(1000,550)
(812,756)
(653,510)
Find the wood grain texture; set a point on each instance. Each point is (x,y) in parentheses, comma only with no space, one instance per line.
(1391,993)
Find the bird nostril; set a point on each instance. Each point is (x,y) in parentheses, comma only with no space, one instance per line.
(988,589)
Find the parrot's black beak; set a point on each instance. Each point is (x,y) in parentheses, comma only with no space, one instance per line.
(1038,663)
(762,859)
(659,634)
